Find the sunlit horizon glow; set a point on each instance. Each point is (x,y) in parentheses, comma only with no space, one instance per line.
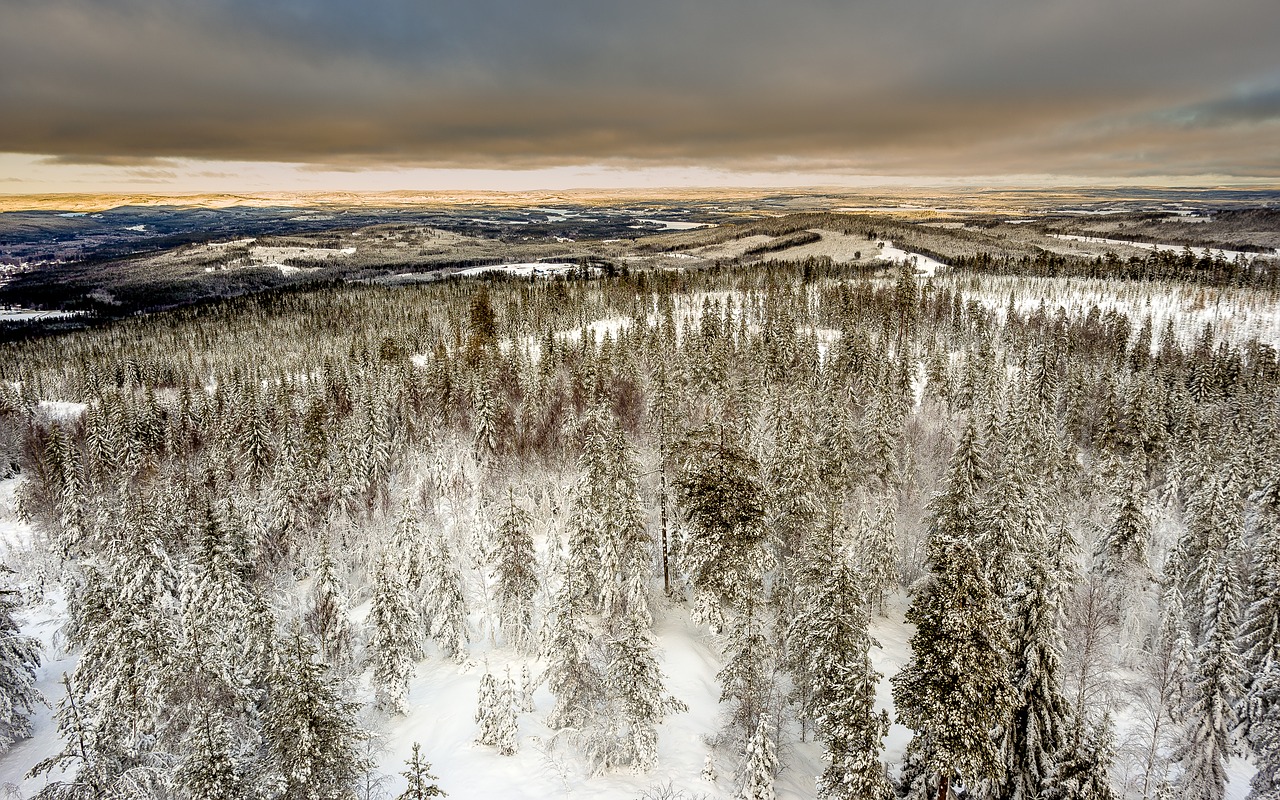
(505,95)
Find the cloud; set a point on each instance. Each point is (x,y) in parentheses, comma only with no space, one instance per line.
(895,87)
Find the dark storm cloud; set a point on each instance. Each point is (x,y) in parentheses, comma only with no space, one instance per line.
(872,85)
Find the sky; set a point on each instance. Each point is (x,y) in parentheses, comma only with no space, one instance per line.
(379,95)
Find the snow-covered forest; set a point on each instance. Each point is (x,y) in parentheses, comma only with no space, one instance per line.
(796,530)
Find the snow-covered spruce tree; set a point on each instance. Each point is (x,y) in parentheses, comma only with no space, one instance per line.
(1260,632)
(207,668)
(324,616)
(515,572)
(392,648)
(448,600)
(609,548)
(123,616)
(1215,686)
(833,641)
(760,765)
(1083,770)
(589,510)
(19,658)
(792,475)
(1036,730)
(507,725)
(488,713)
(421,783)
(955,688)
(638,700)
(525,698)
(709,769)
(573,677)
(746,677)
(1122,551)
(209,770)
(878,555)
(720,493)
(310,733)
(1214,519)
(1264,734)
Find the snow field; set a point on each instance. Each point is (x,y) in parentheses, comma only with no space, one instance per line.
(1236,314)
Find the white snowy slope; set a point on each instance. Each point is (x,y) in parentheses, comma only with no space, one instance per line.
(925,267)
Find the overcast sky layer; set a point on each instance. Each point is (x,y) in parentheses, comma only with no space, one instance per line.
(391,94)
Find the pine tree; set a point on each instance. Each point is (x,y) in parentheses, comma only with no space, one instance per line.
(392,647)
(955,690)
(422,784)
(19,659)
(488,713)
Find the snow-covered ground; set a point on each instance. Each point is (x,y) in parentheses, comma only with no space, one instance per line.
(31,314)
(1236,314)
(673,225)
(1198,252)
(523,270)
(925,267)
(442,701)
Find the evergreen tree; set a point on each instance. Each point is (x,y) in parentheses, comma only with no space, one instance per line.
(850,727)
(1215,687)
(1083,771)
(759,766)
(209,771)
(488,711)
(1035,733)
(572,676)
(745,679)
(720,493)
(1260,632)
(507,726)
(515,570)
(324,616)
(310,732)
(449,622)
(422,784)
(392,647)
(1264,734)
(878,555)
(1123,548)
(955,690)
(633,682)
(525,699)
(19,659)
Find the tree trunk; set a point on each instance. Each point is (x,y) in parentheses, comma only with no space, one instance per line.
(944,786)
